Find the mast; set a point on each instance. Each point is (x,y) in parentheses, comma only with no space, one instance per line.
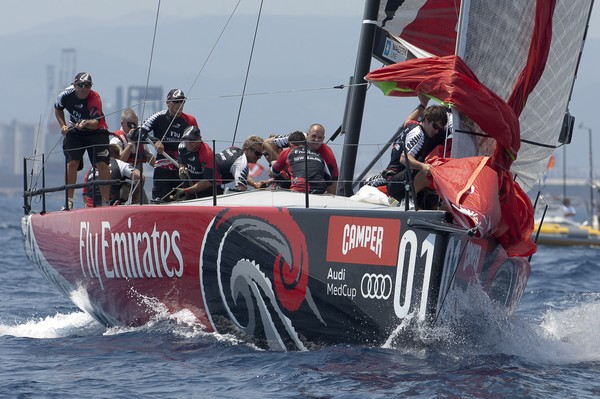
(356,97)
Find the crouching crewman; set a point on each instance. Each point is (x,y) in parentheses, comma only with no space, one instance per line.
(196,167)
(126,176)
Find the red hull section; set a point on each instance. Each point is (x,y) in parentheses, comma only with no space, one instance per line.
(281,277)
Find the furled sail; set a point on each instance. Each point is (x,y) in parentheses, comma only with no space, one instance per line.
(452,82)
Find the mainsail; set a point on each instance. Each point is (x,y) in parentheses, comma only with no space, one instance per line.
(527,52)
(542,116)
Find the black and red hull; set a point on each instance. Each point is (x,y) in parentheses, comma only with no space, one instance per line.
(285,278)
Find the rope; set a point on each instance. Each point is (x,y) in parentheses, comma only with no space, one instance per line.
(214,47)
(151,58)
(137,144)
(247,73)
(201,69)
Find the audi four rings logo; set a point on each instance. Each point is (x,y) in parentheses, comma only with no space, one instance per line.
(376,286)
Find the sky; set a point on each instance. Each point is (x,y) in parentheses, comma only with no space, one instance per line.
(19,18)
(17,15)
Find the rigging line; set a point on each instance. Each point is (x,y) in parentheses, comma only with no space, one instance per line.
(237,122)
(340,129)
(263,93)
(214,46)
(44,116)
(39,171)
(150,63)
(35,147)
(146,90)
(530,142)
(535,143)
(205,62)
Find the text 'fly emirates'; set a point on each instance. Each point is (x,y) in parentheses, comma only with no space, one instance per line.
(130,254)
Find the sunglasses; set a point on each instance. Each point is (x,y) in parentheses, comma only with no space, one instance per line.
(86,85)
(258,154)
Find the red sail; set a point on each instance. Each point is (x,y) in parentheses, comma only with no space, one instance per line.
(450,80)
(469,188)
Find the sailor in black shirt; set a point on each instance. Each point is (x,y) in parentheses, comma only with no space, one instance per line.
(233,163)
(86,131)
(168,126)
(196,167)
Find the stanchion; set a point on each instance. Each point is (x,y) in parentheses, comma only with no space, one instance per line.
(306,185)
(43,183)
(214,175)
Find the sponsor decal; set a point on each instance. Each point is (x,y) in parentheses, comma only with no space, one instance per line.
(367,241)
(235,235)
(106,253)
(340,288)
(336,275)
(376,286)
(394,51)
(254,273)
(415,259)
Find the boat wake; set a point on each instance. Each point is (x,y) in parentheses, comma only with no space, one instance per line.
(182,325)
(571,335)
(76,324)
(557,337)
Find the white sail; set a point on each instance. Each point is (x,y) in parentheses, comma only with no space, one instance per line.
(495,39)
(542,117)
(498,40)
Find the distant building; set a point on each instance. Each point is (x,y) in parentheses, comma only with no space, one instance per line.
(152,96)
(18,140)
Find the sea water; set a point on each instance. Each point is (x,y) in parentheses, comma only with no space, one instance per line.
(549,348)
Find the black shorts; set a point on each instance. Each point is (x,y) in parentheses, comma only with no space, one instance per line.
(426,198)
(77,142)
(164,180)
